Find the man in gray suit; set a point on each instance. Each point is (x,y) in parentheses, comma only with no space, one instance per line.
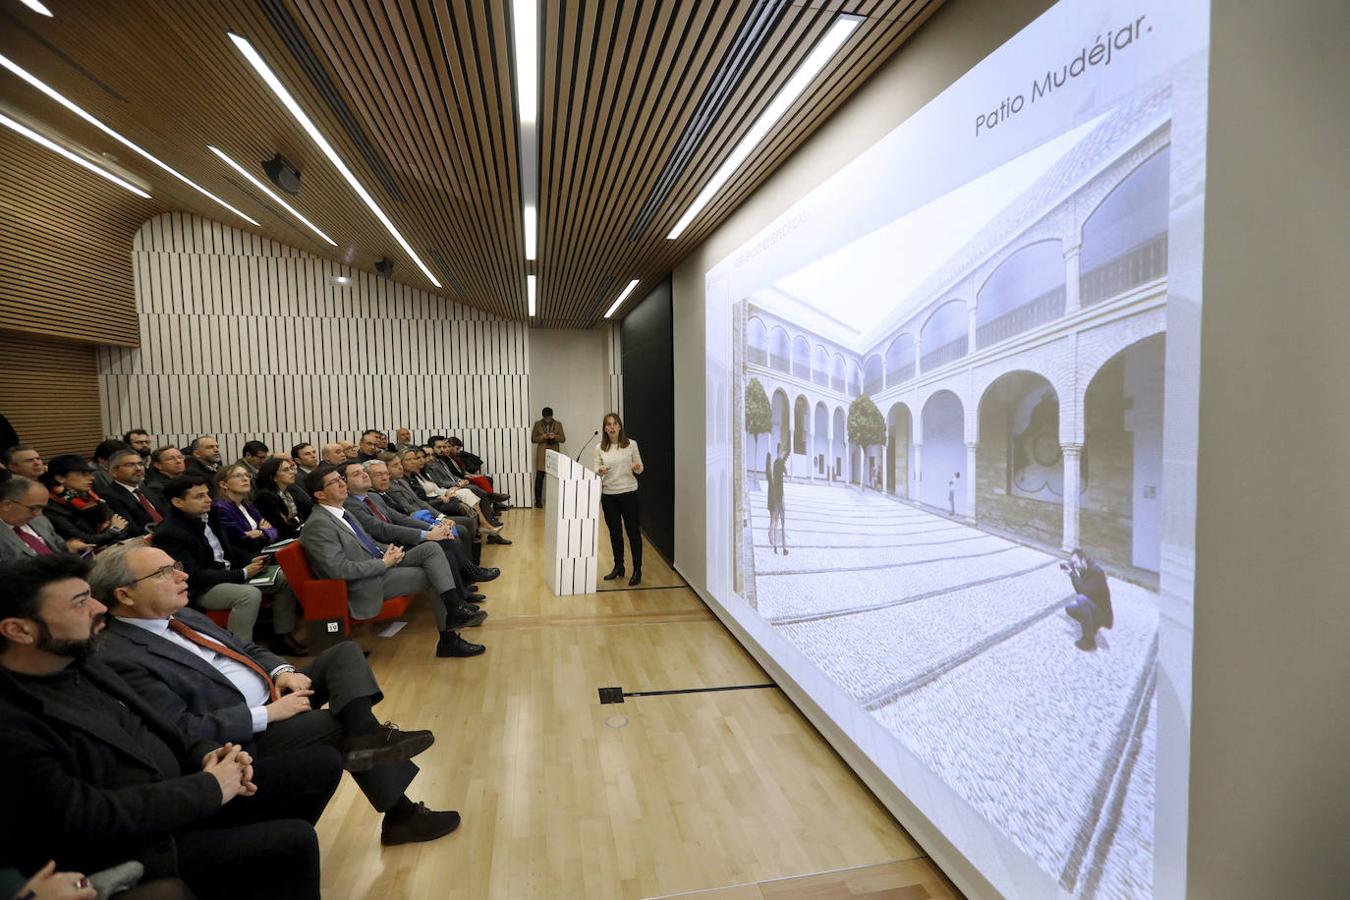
(216,687)
(338,547)
(25,531)
(384,523)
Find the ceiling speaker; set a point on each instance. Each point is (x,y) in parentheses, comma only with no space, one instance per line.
(385,267)
(283,174)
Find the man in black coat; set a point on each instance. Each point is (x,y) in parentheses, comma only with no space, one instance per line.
(96,777)
(1091,609)
(215,687)
(127,496)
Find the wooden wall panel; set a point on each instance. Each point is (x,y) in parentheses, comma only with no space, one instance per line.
(49,392)
(245,338)
(65,243)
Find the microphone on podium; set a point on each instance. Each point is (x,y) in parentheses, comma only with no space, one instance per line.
(587,444)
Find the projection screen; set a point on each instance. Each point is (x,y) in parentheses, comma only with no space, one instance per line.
(935,378)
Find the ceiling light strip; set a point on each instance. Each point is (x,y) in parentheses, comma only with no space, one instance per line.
(622,297)
(271,80)
(37,7)
(839,32)
(530,289)
(73,157)
(70,105)
(269,192)
(525,36)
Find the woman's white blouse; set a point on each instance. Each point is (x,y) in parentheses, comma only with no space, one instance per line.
(619,479)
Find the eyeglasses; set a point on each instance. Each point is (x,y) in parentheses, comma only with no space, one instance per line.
(36,509)
(165,572)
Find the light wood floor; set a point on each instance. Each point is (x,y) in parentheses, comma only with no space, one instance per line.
(563,797)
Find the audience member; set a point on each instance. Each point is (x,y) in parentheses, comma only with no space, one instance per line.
(254,454)
(258,700)
(338,547)
(165,463)
(332,454)
(26,531)
(127,496)
(205,457)
(138,439)
(348,449)
(75,509)
(402,439)
(390,527)
(235,515)
(306,458)
(415,465)
(217,570)
(24,460)
(447,471)
(96,776)
(388,481)
(279,499)
(102,456)
(370,445)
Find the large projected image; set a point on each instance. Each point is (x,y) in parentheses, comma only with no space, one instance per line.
(947,430)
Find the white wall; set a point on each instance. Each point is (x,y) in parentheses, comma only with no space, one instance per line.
(245,338)
(569,371)
(1270,733)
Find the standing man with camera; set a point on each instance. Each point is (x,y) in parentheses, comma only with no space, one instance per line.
(547,434)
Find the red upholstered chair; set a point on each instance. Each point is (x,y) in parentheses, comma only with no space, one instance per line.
(326,598)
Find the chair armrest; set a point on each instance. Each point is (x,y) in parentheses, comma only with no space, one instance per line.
(323,599)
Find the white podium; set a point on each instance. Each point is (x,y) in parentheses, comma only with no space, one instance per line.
(572,520)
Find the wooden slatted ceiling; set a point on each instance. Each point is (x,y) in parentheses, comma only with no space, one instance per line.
(430,83)
(65,247)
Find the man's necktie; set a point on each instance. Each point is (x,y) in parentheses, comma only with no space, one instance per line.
(362,536)
(376,510)
(155,517)
(201,640)
(39,546)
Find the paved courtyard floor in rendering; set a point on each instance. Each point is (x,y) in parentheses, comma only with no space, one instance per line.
(957,642)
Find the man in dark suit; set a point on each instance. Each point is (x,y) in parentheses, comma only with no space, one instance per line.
(387,482)
(198,676)
(24,531)
(127,496)
(205,457)
(338,547)
(94,775)
(165,463)
(218,571)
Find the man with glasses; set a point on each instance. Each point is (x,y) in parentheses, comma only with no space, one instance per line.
(25,531)
(338,547)
(259,701)
(127,496)
(94,776)
(166,463)
(218,571)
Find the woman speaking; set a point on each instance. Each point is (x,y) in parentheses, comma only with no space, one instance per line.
(617,462)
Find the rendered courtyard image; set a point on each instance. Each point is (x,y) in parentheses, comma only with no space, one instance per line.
(956,641)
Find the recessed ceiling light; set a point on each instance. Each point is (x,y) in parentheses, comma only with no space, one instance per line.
(340,280)
(622,297)
(834,38)
(270,79)
(269,192)
(73,157)
(531,231)
(530,292)
(70,105)
(37,7)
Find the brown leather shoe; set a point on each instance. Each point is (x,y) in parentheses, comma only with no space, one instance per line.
(384,746)
(421,825)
